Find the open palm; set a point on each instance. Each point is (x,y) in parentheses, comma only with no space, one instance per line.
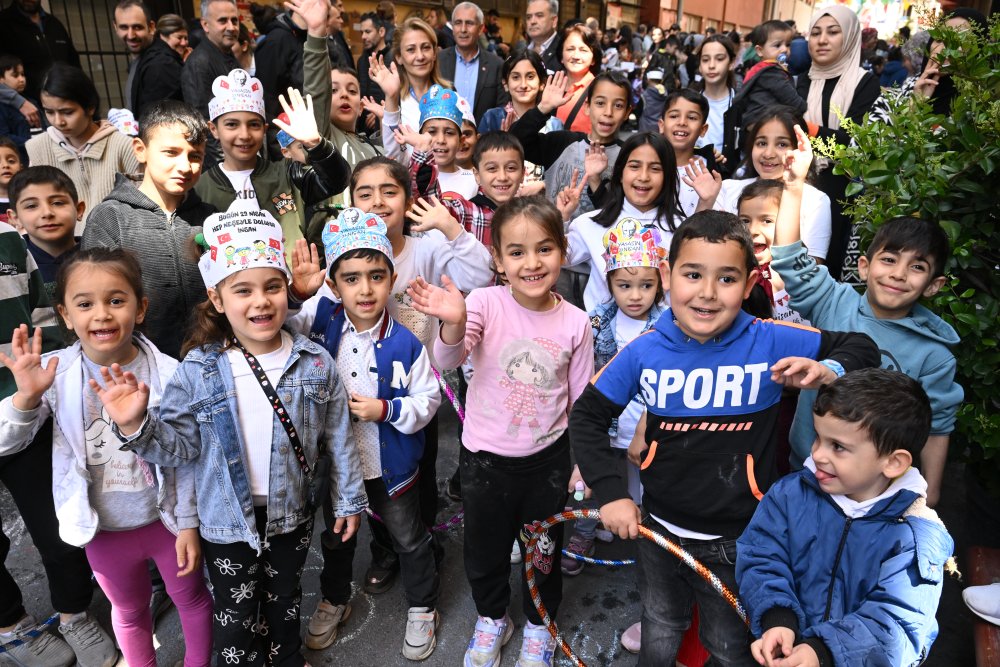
(123,396)
(445,303)
(32,378)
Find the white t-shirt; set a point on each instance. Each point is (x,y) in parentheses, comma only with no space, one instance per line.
(255,412)
(462,181)
(716,120)
(814,221)
(241,183)
(689,198)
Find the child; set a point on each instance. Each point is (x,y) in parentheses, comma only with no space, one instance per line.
(91,152)
(11,163)
(767,142)
(904,263)
(171,146)
(283,188)
(855,520)
(13,125)
(768,83)
(117,506)
(368,344)
(467,145)
(533,353)
(241,366)
(712,407)
(758,210)
(380,185)
(563,153)
(643,186)
(632,272)
(684,121)
(715,58)
(44,204)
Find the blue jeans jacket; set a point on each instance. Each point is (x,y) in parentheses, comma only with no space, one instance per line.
(198,425)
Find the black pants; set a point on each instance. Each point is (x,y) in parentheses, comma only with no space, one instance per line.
(28,477)
(834,186)
(410,539)
(501,495)
(257,597)
(381,544)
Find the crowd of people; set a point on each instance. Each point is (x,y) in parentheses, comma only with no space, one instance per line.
(228,305)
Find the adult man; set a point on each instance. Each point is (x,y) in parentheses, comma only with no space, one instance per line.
(38,39)
(372,41)
(475,71)
(540,24)
(279,64)
(336,43)
(154,71)
(212,58)
(386,11)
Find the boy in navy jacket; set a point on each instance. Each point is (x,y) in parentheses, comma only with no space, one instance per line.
(843,562)
(711,377)
(393,395)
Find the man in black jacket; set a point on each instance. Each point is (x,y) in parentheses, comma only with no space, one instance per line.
(38,39)
(372,41)
(540,25)
(154,71)
(474,71)
(279,66)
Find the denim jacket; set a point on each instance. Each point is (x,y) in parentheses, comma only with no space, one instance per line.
(198,424)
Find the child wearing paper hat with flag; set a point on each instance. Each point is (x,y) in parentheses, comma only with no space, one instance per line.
(394,394)
(242,365)
(284,188)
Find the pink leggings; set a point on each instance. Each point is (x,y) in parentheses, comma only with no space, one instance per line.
(118,559)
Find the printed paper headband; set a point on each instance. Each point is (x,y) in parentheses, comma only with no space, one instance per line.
(236,91)
(354,229)
(628,244)
(244,237)
(444,103)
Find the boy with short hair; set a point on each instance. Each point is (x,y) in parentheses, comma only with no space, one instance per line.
(711,377)
(684,121)
(465,157)
(45,205)
(11,162)
(855,520)
(283,188)
(158,214)
(394,394)
(13,124)
(768,83)
(904,263)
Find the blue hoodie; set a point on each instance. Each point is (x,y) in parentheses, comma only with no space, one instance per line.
(917,345)
(859,591)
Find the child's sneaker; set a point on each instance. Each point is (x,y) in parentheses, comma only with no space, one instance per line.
(632,638)
(324,624)
(581,546)
(984,601)
(420,639)
(488,641)
(45,650)
(515,553)
(537,647)
(91,644)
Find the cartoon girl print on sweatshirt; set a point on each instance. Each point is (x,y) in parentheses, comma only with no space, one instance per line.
(529,369)
(123,471)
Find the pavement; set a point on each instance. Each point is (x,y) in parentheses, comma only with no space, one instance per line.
(598,605)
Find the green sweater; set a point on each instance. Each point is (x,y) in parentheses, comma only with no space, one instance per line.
(22,301)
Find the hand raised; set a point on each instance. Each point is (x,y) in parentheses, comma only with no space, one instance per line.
(798,159)
(508,120)
(385,77)
(314,14)
(307,275)
(432,214)
(557,93)
(595,161)
(407,136)
(301,122)
(373,107)
(706,183)
(568,199)
(123,396)
(31,377)
(445,303)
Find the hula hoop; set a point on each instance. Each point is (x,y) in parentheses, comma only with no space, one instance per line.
(607,562)
(540,527)
(30,634)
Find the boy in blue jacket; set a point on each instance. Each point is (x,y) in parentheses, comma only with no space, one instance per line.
(393,395)
(904,263)
(843,562)
(710,376)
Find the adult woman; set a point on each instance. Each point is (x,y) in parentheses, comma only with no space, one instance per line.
(581,58)
(411,74)
(836,86)
(174,32)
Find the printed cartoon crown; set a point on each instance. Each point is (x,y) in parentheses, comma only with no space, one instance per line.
(124,121)
(628,244)
(443,103)
(354,229)
(284,139)
(236,91)
(243,237)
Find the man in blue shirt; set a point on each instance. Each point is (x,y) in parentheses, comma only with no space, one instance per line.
(475,71)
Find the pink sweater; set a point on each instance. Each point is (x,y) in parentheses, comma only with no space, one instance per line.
(529,367)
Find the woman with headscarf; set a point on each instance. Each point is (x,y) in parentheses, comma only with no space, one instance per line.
(836,86)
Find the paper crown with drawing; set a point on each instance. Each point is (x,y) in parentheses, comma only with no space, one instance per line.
(354,229)
(243,237)
(629,245)
(236,91)
(446,104)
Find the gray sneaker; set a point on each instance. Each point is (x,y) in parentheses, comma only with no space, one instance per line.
(325,623)
(43,650)
(91,644)
(420,639)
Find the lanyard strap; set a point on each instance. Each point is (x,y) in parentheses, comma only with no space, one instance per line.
(275,401)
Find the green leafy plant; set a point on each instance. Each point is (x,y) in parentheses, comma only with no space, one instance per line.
(945,167)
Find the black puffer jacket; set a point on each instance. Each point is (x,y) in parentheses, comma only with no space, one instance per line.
(157,76)
(37,48)
(279,61)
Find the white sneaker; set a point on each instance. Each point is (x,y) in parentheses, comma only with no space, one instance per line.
(984,601)
(632,638)
(486,646)
(420,639)
(515,553)
(537,647)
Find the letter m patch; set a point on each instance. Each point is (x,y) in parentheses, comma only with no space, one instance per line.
(400,378)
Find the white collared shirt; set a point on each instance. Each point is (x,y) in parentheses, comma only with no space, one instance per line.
(359,373)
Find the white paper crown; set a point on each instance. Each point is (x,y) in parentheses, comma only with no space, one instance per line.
(243,237)
(236,91)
